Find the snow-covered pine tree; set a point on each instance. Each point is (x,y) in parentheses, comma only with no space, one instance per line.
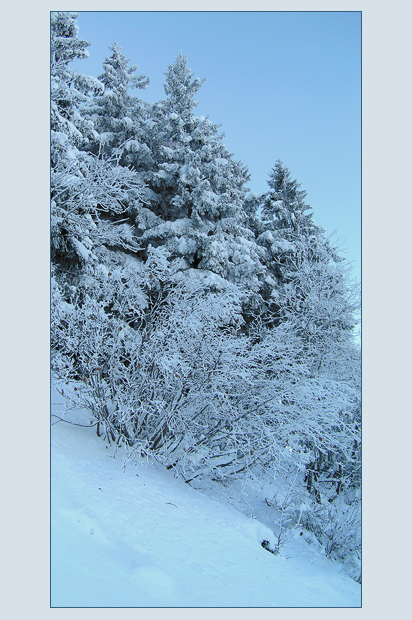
(118,115)
(197,188)
(95,291)
(313,289)
(69,90)
(285,202)
(281,223)
(84,187)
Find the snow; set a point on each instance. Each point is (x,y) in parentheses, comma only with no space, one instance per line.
(166,229)
(130,534)
(188,174)
(81,249)
(221,161)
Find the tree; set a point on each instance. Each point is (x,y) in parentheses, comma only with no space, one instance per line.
(197,188)
(285,202)
(85,188)
(68,88)
(281,222)
(181,88)
(118,116)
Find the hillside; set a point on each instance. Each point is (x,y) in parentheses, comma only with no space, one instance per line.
(136,536)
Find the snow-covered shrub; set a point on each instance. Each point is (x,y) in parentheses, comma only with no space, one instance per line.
(337,527)
(154,357)
(287,505)
(89,197)
(343,529)
(167,366)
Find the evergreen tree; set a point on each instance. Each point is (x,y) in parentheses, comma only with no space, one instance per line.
(181,88)
(198,188)
(285,202)
(68,89)
(84,187)
(117,115)
(285,223)
(286,233)
(313,285)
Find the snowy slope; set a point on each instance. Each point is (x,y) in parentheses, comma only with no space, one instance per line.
(139,537)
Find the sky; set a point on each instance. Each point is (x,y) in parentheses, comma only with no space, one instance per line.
(282,85)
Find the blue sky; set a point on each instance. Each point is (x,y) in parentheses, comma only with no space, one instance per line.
(282,85)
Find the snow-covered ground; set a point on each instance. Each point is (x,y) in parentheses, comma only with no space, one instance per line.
(136,536)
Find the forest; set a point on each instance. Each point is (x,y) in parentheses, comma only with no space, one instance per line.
(205,327)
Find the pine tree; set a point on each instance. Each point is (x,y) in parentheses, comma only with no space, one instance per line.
(285,202)
(69,90)
(84,187)
(118,116)
(285,221)
(286,233)
(198,188)
(313,284)
(181,88)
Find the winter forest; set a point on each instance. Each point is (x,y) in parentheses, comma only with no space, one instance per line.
(205,327)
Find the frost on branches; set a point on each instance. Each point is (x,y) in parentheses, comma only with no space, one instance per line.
(208,329)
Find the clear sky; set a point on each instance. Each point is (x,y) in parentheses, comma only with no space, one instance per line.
(282,85)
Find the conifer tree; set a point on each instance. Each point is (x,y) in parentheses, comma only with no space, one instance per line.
(69,90)
(198,188)
(83,185)
(285,201)
(118,115)
(309,271)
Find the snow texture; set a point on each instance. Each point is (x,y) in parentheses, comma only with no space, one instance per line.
(135,536)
